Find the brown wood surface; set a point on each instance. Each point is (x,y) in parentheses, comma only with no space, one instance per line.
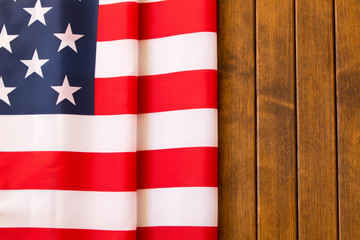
(317,166)
(289,119)
(348,84)
(276,120)
(237,181)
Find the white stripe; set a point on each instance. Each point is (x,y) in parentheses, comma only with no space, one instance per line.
(68,133)
(105,2)
(162,55)
(176,129)
(191,206)
(68,209)
(116,58)
(178,53)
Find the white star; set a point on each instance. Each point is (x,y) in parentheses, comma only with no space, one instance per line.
(4,91)
(34,65)
(5,39)
(37,13)
(65,91)
(68,39)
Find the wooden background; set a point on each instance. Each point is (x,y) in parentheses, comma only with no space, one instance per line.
(289,119)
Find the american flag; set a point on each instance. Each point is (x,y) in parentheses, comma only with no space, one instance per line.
(177,121)
(108,119)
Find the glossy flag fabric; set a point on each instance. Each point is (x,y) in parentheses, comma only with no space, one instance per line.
(177,121)
(108,119)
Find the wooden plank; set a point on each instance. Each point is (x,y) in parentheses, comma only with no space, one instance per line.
(348,84)
(276,120)
(237,189)
(317,167)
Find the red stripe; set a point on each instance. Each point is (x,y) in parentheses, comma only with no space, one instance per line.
(177,233)
(173,17)
(118,21)
(68,171)
(116,95)
(180,167)
(63,234)
(177,91)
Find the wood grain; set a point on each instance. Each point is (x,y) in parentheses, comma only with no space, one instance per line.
(348,85)
(276,120)
(237,179)
(317,167)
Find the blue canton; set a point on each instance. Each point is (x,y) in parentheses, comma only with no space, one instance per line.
(47,56)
